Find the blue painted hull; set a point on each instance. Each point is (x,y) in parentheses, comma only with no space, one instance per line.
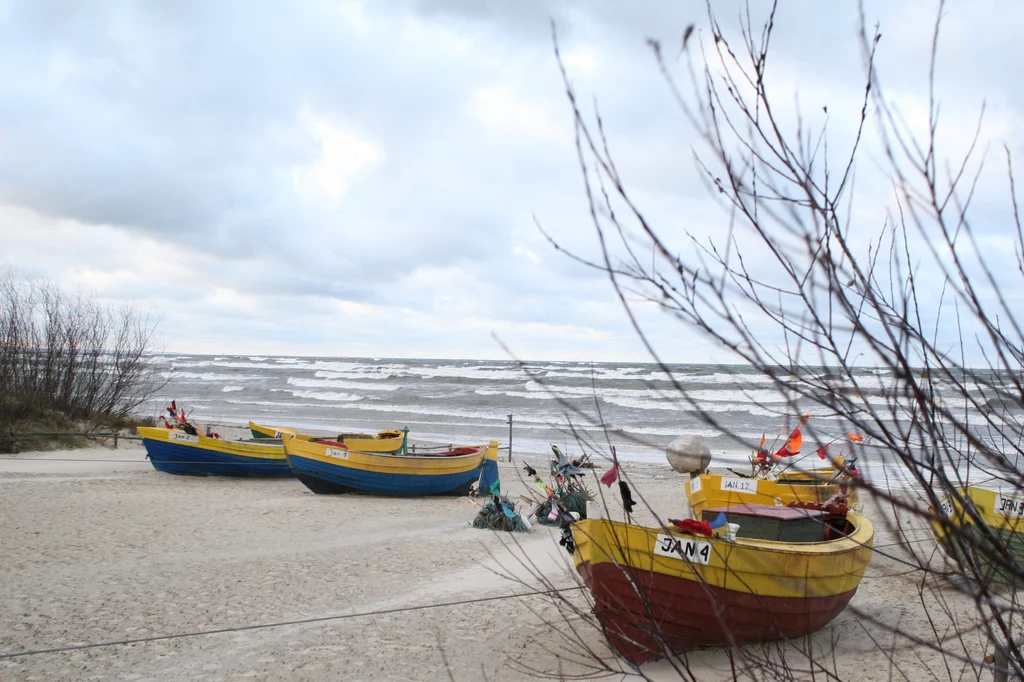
(172,458)
(328,479)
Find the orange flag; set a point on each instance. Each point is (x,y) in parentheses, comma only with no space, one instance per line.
(792,446)
(855,437)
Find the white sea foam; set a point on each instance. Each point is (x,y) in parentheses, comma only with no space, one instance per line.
(332,383)
(336,374)
(273,403)
(201,376)
(326,396)
(231,389)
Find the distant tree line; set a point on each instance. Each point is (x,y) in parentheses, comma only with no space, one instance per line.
(68,355)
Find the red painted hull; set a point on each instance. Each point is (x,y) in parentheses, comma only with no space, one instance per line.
(684,614)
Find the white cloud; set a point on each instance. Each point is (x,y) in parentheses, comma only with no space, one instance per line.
(500,108)
(344,157)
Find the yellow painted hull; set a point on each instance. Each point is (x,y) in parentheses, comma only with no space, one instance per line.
(384,441)
(763,567)
(176,452)
(708,491)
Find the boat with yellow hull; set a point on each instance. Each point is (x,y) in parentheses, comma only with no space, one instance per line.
(327,467)
(984,533)
(658,589)
(175,451)
(715,490)
(391,440)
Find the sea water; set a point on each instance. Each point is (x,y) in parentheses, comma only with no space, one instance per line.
(582,407)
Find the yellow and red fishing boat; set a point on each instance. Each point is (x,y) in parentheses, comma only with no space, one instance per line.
(391,440)
(333,467)
(715,490)
(659,590)
(982,528)
(776,479)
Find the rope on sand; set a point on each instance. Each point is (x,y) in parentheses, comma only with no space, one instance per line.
(319,619)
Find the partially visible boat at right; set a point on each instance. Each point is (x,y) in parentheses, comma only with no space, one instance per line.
(981,528)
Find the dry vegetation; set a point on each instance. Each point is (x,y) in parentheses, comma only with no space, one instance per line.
(67,360)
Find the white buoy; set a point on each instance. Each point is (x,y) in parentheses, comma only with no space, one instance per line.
(688,455)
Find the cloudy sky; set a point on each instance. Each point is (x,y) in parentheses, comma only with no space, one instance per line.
(363,178)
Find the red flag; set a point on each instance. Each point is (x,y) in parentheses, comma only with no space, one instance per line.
(823,450)
(612,474)
(792,446)
(174,407)
(693,526)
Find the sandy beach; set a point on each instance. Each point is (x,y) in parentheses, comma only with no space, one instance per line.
(105,549)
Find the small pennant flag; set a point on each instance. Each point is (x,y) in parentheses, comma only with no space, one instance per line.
(822,451)
(718,521)
(530,471)
(612,474)
(804,419)
(854,437)
(553,516)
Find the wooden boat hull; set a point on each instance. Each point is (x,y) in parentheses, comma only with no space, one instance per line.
(712,490)
(747,591)
(384,441)
(331,470)
(985,553)
(175,452)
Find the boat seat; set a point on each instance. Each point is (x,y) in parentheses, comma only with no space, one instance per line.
(768,522)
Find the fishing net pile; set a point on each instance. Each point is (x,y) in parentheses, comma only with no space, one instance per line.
(500,514)
(568,495)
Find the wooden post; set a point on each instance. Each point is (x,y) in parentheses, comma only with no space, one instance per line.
(115,440)
(510,438)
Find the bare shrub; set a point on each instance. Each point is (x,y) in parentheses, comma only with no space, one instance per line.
(68,355)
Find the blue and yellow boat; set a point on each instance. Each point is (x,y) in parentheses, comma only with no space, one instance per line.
(175,451)
(329,467)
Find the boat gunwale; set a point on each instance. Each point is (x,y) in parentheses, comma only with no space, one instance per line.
(853,541)
(396,456)
(220,445)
